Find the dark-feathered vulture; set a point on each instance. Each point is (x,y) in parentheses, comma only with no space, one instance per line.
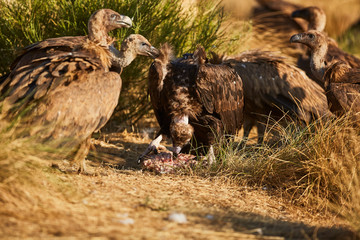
(272,88)
(341,82)
(71,93)
(193,98)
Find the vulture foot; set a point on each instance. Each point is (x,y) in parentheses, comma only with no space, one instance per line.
(210,157)
(154,146)
(80,156)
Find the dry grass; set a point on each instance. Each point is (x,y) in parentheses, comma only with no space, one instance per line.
(297,188)
(316,166)
(42,202)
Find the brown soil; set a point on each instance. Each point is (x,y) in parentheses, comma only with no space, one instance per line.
(122,202)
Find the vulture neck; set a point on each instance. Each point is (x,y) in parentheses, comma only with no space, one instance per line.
(316,25)
(317,62)
(126,55)
(98,33)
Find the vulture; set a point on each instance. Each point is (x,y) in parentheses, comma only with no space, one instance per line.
(193,99)
(341,81)
(273,88)
(272,26)
(63,96)
(317,20)
(100,23)
(291,19)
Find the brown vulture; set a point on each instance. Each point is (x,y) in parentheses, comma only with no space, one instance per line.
(273,88)
(192,98)
(341,82)
(100,23)
(317,20)
(272,26)
(61,96)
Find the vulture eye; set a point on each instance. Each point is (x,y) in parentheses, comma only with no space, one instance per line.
(311,36)
(144,44)
(113,16)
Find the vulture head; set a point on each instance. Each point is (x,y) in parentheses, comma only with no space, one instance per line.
(313,39)
(139,45)
(181,132)
(318,44)
(315,16)
(103,21)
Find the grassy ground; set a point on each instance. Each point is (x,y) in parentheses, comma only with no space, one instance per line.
(127,203)
(304,187)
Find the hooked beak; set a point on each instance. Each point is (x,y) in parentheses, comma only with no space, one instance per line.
(296,38)
(176,150)
(153,52)
(125,21)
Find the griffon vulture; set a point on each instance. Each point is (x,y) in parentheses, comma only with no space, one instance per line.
(341,82)
(66,95)
(317,20)
(193,98)
(100,23)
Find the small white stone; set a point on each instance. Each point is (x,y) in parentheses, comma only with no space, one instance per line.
(209,216)
(178,217)
(126,221)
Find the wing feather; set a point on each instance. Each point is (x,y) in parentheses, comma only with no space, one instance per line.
(221,92)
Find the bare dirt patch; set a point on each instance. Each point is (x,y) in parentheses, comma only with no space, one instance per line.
(122,202)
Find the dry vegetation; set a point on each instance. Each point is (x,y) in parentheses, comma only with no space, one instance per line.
(304,185)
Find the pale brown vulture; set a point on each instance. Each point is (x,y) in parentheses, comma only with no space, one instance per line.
(100,24)
(63,96)
(192,98)
(272,26)
(273,89)
(317,20)
(341,82)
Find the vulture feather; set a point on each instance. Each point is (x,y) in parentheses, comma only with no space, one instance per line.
(289,19)
(100,23)
(70,94)
(317,20)
(272,25)
(192,98)
(273,88)
(341,81)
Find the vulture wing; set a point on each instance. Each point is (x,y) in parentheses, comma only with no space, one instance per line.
(157,73)
(272,85)
(342,88)
(76,80)
(221,92)
(46,48)
(335,53)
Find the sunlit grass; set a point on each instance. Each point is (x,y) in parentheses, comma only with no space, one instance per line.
(317,165)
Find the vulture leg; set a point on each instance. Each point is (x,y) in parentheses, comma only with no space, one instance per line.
(210,156)
(260,132)
(153,146)
(81,154)
(248,125)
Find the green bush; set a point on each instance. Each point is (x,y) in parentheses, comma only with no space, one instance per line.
(23,22)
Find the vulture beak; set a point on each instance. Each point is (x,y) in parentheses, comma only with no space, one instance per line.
(124,21)
(153,52)
(176,150)
(296,38)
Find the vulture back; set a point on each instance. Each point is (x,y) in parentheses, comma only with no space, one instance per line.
(190,91)
(273,86)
